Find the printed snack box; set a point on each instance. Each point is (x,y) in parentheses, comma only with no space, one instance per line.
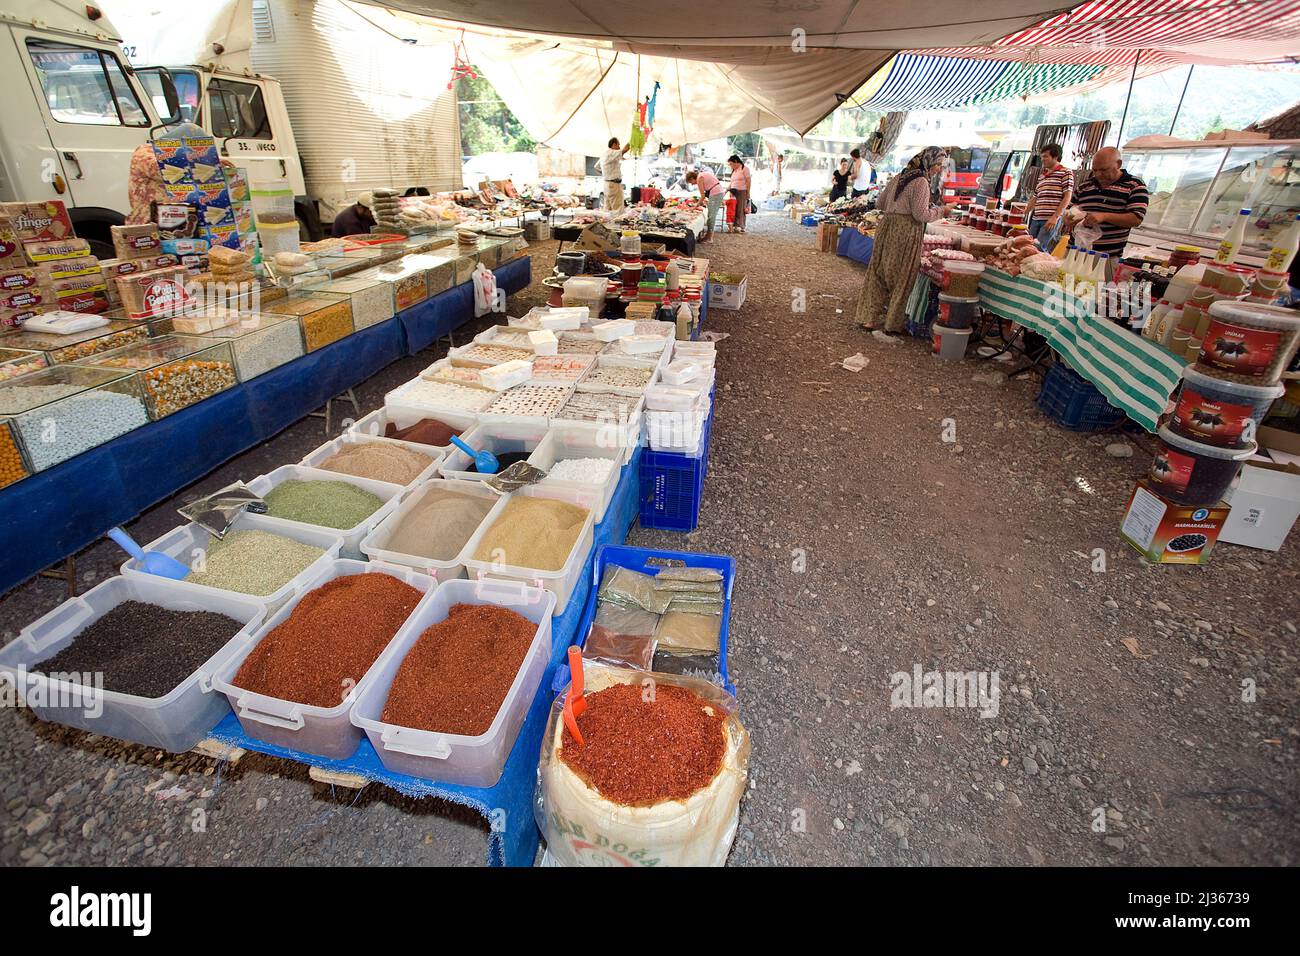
(11,249)
(38,221)
(146,294)
(1165,532)
(16,280)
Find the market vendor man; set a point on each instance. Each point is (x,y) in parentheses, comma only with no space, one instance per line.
(356,220)
(1112,200)
(611,167)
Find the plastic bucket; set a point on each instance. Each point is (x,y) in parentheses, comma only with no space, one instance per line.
(1219,412)
(1249,342)
(961,279)
(957,313)
(950,344)
(1190,472)
(571,263)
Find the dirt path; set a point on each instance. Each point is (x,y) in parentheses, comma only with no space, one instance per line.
(866,545)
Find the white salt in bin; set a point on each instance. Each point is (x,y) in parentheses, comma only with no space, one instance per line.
(389,494)
(174,722)
(624,434)
(562,581)
(191,541)
(332,448)
(375,544)
(560,447)
(455,758)
(404,416)
(497,437)
(322,731)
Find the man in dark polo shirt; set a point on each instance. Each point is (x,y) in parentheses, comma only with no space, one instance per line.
(1112,200)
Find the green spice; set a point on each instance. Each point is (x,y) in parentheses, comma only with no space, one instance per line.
(252,562)
(329,504)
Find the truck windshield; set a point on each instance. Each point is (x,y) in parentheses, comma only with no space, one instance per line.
(84,85)
(187,92)
(238,111)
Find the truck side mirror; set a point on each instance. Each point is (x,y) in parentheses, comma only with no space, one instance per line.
(170,97)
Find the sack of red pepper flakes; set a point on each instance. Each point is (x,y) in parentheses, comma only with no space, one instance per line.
(656,779)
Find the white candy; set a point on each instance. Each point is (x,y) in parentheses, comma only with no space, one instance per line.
(589,471)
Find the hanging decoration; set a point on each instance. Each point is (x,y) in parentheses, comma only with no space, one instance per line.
(461,68)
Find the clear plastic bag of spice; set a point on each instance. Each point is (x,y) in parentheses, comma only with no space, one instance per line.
(584,828)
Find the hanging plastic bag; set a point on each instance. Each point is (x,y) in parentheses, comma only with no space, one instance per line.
(584,828)
(485,290)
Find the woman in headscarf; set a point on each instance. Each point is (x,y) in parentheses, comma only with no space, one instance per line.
(896,255)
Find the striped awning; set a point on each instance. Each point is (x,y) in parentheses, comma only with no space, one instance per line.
(913,81)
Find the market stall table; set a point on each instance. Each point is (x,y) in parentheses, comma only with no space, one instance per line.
(58,511)
(854,245)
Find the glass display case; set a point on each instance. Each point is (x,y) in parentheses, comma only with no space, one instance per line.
(408,278)
(15,362)
(175,371)
(325,318)
(76,345)
(372,299)
(262,341)
(67,409)
(1197,191)
(13,465)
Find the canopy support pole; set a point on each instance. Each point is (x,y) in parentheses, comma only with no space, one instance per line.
(1119,139)
(1179,108)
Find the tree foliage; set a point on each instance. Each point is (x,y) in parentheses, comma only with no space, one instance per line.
(486,123)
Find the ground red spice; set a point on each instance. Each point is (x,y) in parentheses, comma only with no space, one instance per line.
(324,648)
(641,752)
(456,676)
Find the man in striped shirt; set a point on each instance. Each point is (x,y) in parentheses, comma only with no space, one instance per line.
(1051,197)
(1112,200)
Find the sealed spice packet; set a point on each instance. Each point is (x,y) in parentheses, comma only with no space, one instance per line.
(701,666)
(682,632)
(620,650)
(628,588)
(516,476)
(695,587)
(698,575)
(217,512)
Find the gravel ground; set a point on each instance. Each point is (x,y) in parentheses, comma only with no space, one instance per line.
(866,544)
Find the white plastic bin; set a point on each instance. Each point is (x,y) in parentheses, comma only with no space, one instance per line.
(403,416)
(175,722)
(560,582)
(497,437)
(188,541)
(332,448)
(375,544)
(559,446)
(454,758)
(389,494)
(322,731)
(624,433)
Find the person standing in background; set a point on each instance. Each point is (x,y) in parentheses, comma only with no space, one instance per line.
(840,181)
(611,168)
(712,192)
(862,175)
(740,184)
(1113,200)
(1050,198)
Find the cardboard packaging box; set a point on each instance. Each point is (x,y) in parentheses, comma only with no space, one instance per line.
(39,221)
(1265,504)
(1165,532)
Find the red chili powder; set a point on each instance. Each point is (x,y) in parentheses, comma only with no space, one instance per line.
(456,676)
(641,752)
(324,648)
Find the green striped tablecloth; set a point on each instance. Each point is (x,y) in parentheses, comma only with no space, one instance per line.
(1135,374)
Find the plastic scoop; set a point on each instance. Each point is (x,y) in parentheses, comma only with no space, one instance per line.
(484,461)
(574,703)
(153,562)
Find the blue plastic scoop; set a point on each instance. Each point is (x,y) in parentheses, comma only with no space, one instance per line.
(484,461)
(153,562)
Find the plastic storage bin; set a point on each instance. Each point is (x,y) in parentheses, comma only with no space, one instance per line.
(174,722)
(77,345)
(561,446)
(59,412)
(672,485)
(322,731)
(401,416)
(454,758)
(261,341)
(500,438)
(324,318)
(15,362)
(375,544)
(560,582)
(638,559)
(175,371)
(189,541)
(390,494)
(331,448)
(1075,403)
(13,463)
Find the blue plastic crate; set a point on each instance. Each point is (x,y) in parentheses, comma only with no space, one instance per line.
(635,559)
(809,220)
(672,485)
(1073,402)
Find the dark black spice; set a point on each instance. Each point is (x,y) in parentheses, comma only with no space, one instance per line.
(505,460)
(143,649)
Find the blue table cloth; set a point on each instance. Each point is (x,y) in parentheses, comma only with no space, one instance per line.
(61,510)
(513,836)
(854,245)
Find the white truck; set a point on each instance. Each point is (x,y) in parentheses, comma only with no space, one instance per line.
(360,119)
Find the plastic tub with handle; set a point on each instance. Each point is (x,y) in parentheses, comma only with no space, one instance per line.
(400,417)
(456,758)
(322,731)
(563,446)
(331,448)
(174,722)
(376,544)
(389,494)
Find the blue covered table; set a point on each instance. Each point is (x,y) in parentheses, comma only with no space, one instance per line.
(513,835)
(854,245)
(55,513)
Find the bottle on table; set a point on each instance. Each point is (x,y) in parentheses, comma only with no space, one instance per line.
(1231,244)
(1283,248)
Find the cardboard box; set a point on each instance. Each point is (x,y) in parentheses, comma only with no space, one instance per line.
(1265,504)
(39,221)
(1165,532)
(828,235)
(11,249)
(727,294)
